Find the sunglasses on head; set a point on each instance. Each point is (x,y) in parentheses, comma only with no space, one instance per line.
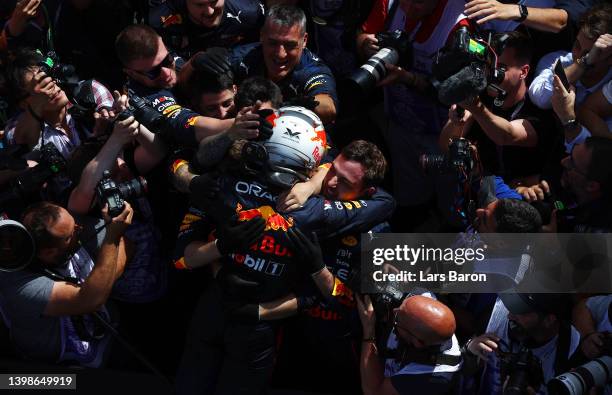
(153,74)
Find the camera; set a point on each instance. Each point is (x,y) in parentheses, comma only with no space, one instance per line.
(396,48)
(63,74)
(467,66)
(595,373)
(522,369)
(458,159)
(142,110)
(50,164)
(115,195)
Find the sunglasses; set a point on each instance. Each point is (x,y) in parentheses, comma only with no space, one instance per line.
(153,74)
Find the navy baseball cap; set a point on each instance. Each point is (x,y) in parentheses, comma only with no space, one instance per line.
(523,303)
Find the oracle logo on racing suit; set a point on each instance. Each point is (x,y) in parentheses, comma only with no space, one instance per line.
(253,189)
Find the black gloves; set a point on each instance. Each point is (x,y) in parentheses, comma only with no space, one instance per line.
(204,190)
(306,251)
(214,61)
(233,236)
(265,127)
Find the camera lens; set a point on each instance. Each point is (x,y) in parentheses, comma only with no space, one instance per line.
(374,70)
(16,246)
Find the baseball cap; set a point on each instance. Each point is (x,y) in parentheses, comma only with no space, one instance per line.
(523,303)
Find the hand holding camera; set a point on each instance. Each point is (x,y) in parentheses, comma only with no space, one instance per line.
(125,131)
(116,225)
(483,345)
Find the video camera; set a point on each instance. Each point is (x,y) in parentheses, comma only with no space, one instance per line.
(396,49)
(50,164)
(115,195)
(522,369)
(467,66)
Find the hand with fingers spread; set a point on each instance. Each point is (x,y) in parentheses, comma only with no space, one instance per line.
(563,101)
(23,12)
(483,345)
(488,10)
(246,125)
(306,251)
(455,116)
(535,192)
(238,236)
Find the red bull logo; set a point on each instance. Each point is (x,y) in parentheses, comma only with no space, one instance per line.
(320,136)
(274,221)
(174,19)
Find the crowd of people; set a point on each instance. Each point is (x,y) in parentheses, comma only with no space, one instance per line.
(195,177)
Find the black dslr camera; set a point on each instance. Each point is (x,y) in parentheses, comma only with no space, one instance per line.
(396,49)
(522,369)
(115,195)
(50,164)
(458,159)
(63,74)
(143,111)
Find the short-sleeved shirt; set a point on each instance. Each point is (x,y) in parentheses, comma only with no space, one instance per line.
(511,162)
(310,76)
(24,296)
(240,23)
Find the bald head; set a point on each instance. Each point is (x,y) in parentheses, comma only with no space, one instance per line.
(427,319)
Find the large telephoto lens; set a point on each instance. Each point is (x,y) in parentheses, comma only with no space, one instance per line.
(597,372)
(374,70)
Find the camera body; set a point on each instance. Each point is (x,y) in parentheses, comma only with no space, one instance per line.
(396,49)
(115,195)
(522,369)
(142,110)
(458,159)
(63,74)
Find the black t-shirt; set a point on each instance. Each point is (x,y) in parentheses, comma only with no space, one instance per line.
(511,162)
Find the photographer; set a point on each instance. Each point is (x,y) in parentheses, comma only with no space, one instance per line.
(415,118)
(532,327)
(144,279)
(516,128)
(586,183)
(152,72)
(47,304)
(422,353)
(188,26)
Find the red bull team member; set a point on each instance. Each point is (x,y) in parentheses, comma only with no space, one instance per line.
(220,349)
(189,26)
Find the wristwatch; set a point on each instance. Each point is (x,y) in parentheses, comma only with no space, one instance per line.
(570,125)
(583,61)
(524,12)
